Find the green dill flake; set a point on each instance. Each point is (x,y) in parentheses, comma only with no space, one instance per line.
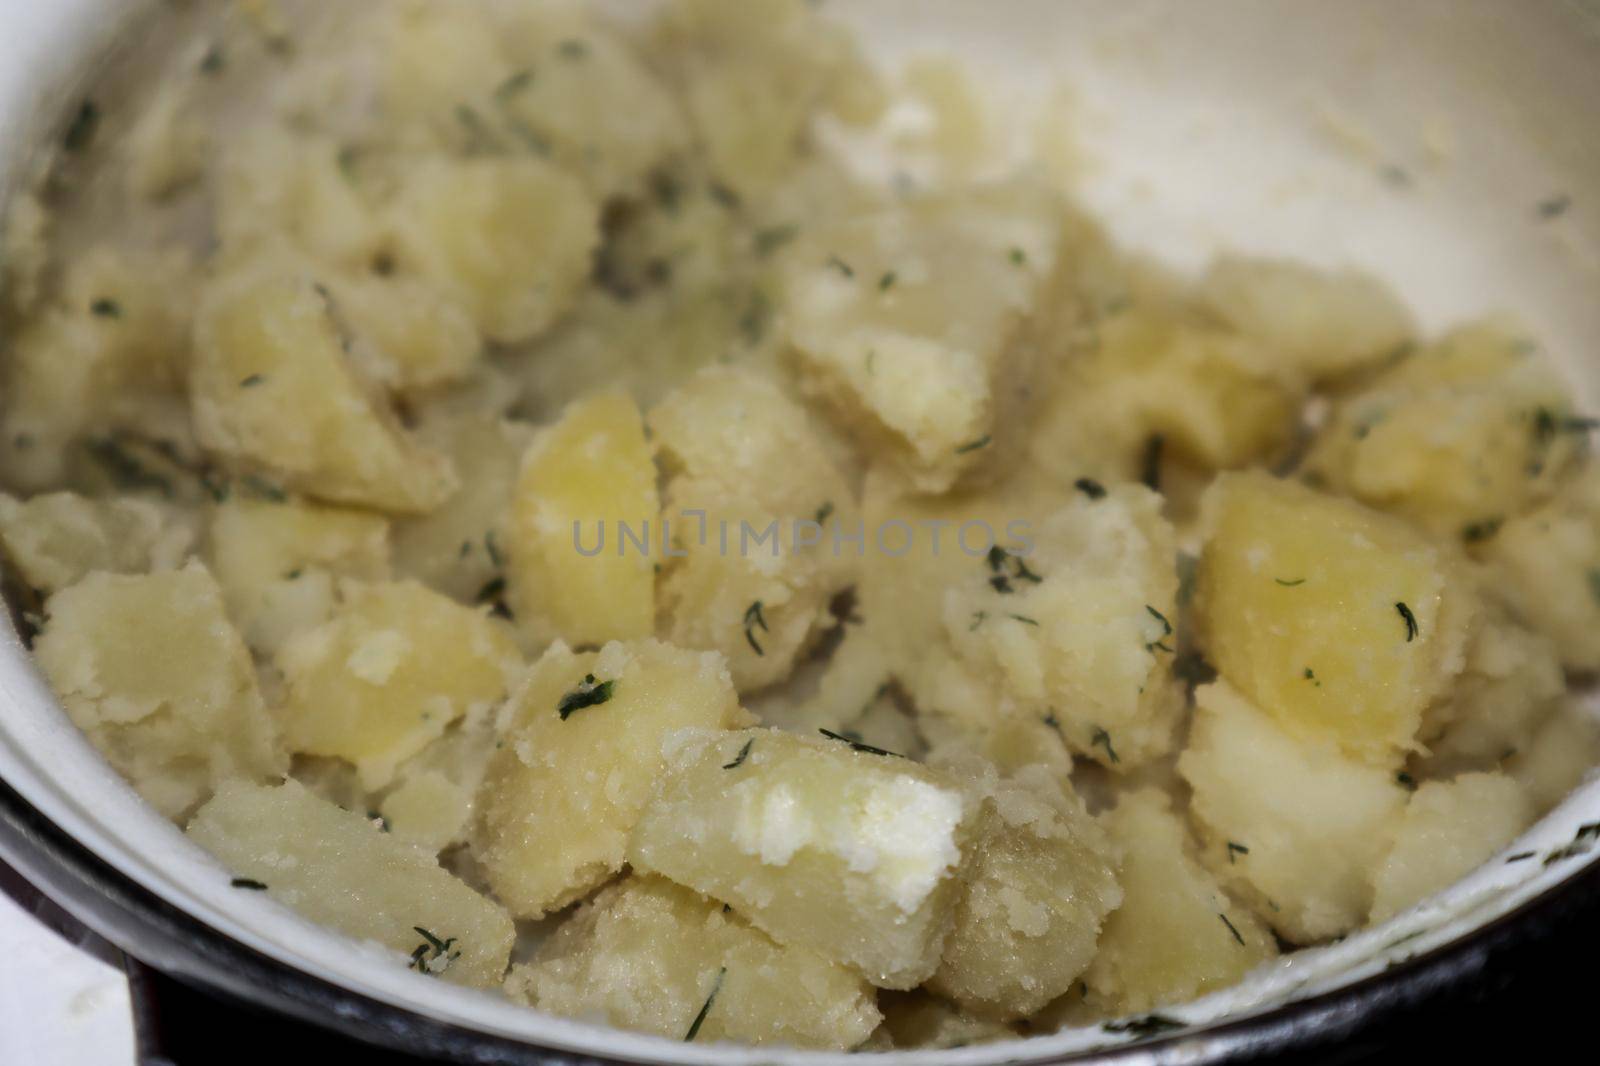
(1090,488)
(841,266)
(1052,721)
(1101,739)
(491,546)
(515,84)
(124,469)
(1395,176)
(772,238)
(1236,849)
(252,381)
(248,884)
(1477,532)
(978,618)
(972,446)
(1311,676)
(1151,475)
(1018,257)
(1554,207)
(1405,781)
(81,130)
(753,620)
(480,137)
(723,195)
(573,48)
(1024,619)
(757,314)
(744,753)
(214,62)
(294,575)
(433,956)
(1231,928)
(588,693)
(705,1008)
(106,308)
(1000,561)
(1296,583)
(1410,620)
(886,282)
(824,512)
(856,744)
(492,590)
(263,489)
(1160,643)
(1521,856)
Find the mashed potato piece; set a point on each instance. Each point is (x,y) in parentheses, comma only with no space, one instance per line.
(637,508)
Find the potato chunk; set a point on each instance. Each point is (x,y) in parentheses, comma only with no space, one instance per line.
(1448,829)
(277,562)
(854,853)
(919,324)
(107,355)
(1214,398)
(272,387)
(56,539)
(151,670)
(1322,323)
(1546,568)
(584,747)
(461,548)
(1042,880)
(1460,436)
(1076,626)
(744,457)
(649,955)
(1341,623)
(752,75)
(410,336)
(1304,826)
(587,483)
(510,239)
(1558,757)
(388,672)
(338,868)
(1177,935)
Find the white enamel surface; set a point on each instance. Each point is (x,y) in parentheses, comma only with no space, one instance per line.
(1265,126)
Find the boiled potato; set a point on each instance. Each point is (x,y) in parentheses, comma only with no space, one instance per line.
(152,671)
(337,868)
(751,76)
(509,239)
(108,354)
(587,484)
(856,853)
(1040,885)
(1459,437)
(411,336)
(1214,398)
(272,387)
(1558,757)
(1176,935)
(1075,628)
(1546,568)
(1448,829)
(393,666)
(1326,324)
(743,462)
(56,539)
(277,563)
(1340,623)
(646,954)
(921,324)
(587,737)
(461,548)
(919,1020)
(1302,827)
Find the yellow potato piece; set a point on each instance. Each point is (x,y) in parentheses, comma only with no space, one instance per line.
(1314,824)
(1341,623)
(649,955)
(1177,935)
(56,539)
(388,672)
(579,760)
(853,853)
(152,671)
(338,868)
(272,388)
(587,484)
